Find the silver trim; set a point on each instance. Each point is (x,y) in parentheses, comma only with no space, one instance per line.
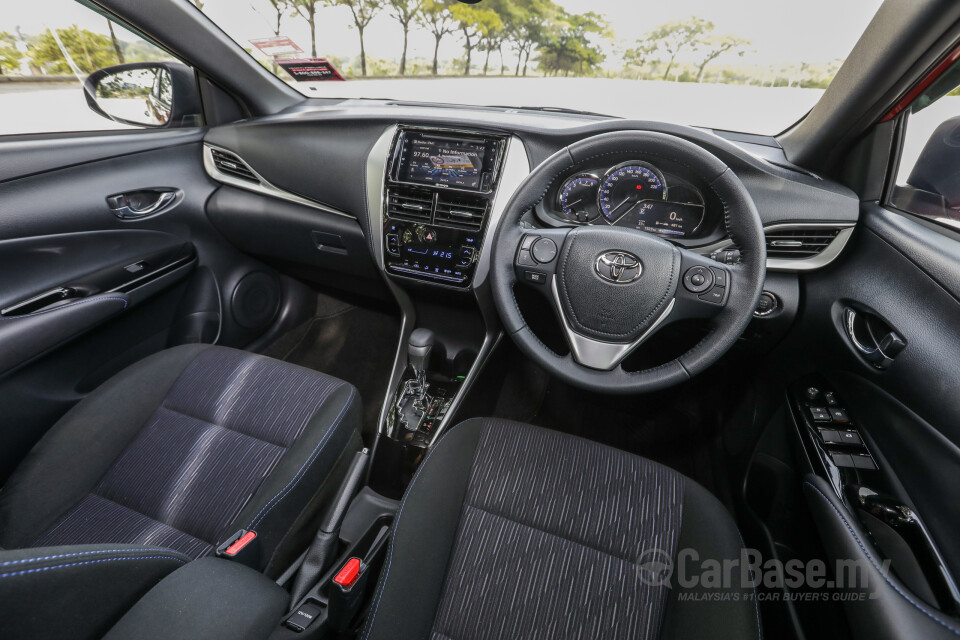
(822,259)
(596,354)
(515,169)
(264,188)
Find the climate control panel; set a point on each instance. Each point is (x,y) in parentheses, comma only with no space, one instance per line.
(427,251)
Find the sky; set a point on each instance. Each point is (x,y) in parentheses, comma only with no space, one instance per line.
(781,31)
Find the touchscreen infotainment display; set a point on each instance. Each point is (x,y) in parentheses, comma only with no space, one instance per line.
(446,160)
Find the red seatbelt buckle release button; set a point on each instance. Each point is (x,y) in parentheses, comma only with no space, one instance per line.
(243,546)
(349,573)
(241,542)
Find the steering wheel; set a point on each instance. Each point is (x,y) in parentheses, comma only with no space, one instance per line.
(613,288)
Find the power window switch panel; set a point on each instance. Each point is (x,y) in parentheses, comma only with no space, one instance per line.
(863,462)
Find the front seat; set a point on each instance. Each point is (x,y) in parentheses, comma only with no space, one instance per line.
(183,449)
(513,531)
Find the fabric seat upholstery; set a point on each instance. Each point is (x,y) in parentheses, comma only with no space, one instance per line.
(513,531)
(183,449)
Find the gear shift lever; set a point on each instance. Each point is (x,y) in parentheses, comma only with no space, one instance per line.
(419,346)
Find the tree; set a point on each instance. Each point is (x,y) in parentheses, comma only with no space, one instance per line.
(116,43)
(10,56)
(673,37)
(307,9)
(568,49)
(642,54)
(404,12)
(363,11)
(90,51)
(715,46)
(474,23)
(436,18)
(280,7)
(528,28)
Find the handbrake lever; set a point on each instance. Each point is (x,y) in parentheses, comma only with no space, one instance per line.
(323,549)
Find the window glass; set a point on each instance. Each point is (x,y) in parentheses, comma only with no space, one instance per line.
(47,49)
(744,65)
(928,176)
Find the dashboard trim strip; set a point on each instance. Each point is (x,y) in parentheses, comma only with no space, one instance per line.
(265,188)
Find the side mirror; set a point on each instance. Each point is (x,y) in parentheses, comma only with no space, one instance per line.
(145,94)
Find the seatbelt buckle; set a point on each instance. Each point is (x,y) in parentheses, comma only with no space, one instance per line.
(346,593)
(243,547)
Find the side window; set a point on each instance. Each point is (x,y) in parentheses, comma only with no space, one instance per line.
(64,67)
(928,177)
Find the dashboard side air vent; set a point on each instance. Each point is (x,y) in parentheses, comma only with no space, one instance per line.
(461,211)
(232,165)
(796,244)
(407,203)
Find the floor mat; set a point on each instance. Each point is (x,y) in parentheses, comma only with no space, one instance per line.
(351,343)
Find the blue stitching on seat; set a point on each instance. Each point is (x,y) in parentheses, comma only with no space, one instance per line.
(82,553)
(66,306)
(77,564)
(393,538)
(874,563)
(296,478)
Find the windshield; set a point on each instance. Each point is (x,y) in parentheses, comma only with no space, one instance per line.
(743,65)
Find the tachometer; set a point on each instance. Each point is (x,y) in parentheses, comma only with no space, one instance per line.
(626,185)
(577,198)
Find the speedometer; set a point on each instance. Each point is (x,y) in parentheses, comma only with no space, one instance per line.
(626,185)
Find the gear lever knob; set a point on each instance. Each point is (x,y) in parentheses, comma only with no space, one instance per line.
(419,346)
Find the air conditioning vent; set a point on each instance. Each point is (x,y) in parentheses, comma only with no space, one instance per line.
(407,203)
(461,211)
(796,244)
(232,165)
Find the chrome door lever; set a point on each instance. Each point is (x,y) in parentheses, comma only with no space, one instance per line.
(138,204)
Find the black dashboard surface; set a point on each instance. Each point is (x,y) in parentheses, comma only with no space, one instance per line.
(320,152)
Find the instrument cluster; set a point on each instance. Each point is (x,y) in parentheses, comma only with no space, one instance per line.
(634,194)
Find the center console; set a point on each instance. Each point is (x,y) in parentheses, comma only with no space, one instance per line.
(439,190)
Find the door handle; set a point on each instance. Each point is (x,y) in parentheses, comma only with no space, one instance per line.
(873,339)
(145,202)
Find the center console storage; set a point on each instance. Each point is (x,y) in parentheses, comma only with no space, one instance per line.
(439,191)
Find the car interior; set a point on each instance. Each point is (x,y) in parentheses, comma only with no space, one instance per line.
(279,366)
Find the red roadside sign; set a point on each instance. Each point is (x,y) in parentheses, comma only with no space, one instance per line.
(310,69)
(277,46)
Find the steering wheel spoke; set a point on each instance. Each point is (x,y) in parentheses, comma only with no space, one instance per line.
(600,354)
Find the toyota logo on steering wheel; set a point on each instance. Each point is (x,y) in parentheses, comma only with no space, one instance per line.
(619,267)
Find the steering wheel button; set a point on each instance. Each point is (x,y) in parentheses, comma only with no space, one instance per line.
(535,277)
(544,250)
(524,259)
(719,277)
(528,241)
(714,296)
(698,279)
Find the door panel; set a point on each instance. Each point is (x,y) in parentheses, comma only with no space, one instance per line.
(906,275)
(116,289)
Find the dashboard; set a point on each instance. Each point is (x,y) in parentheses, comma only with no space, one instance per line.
(412,191)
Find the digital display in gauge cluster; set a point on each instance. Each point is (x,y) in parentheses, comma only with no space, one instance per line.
(633,194)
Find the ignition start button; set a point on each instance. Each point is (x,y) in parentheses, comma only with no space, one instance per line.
(698,279)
